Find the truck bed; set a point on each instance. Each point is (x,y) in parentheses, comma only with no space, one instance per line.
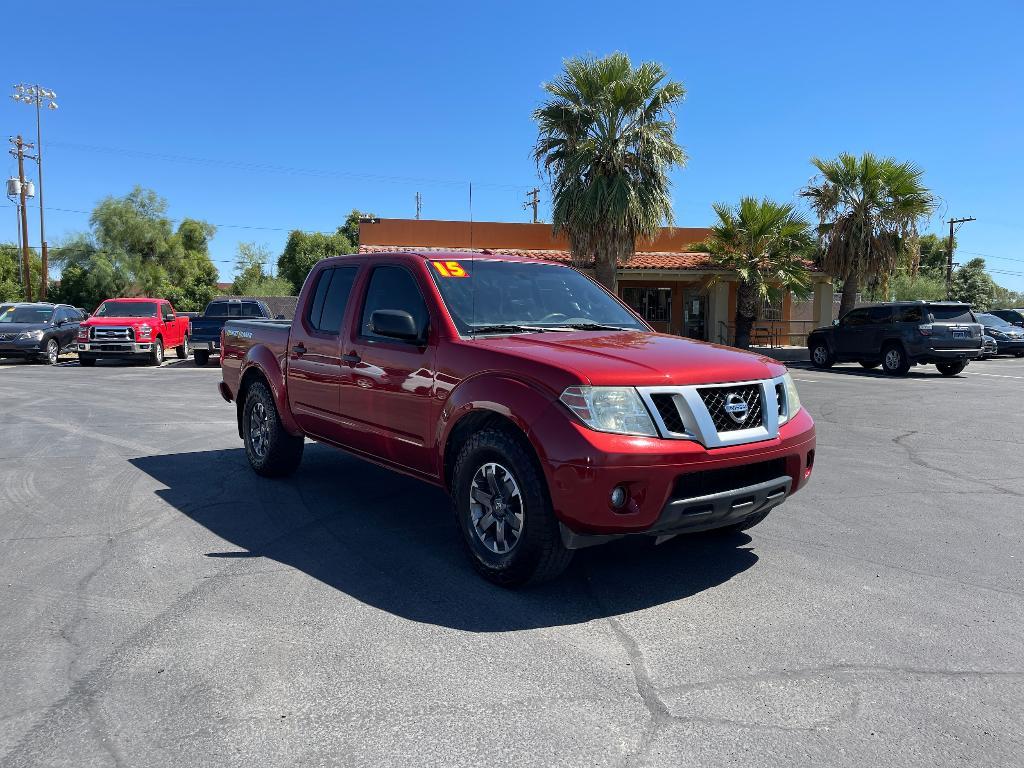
(242,335)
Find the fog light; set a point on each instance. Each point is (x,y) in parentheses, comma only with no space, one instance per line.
(619,496)
(810,464)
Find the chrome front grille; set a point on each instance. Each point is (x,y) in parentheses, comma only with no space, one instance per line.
(718,415)
(8,336)
(733,407)
(111,333)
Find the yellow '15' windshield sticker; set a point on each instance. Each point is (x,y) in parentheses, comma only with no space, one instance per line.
(449,269)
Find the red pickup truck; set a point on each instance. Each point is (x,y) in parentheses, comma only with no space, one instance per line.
(133,328)
(552,414)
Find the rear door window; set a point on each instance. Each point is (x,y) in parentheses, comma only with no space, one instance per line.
(330,299)
(909,315)
(879,315)
(956,314)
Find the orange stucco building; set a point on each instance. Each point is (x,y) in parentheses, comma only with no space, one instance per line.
(671,284)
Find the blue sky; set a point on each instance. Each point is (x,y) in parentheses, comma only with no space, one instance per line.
(273,116)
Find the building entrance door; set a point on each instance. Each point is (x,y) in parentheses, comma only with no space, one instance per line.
(695,310)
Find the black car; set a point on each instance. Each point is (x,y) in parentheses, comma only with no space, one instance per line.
(1012,316)
(898,335)
(206,328)
(38,331)
(1009,338)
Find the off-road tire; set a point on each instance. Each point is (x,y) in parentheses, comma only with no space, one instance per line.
(894,360)
(820,355)
(182,351)
(539,555)
(283,451)
(200,357)
(951,369)
(156,352)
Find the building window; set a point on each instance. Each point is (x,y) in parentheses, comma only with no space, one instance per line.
(771,309)
(652,304)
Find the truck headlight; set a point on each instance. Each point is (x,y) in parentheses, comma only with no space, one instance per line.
(610,409)
(145,331)
(792,398)
(30,335)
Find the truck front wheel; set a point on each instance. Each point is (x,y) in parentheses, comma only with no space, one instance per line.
(503,511)
(156,352)
(272,452)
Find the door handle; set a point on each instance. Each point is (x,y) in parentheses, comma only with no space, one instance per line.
(298,349)
(351,358)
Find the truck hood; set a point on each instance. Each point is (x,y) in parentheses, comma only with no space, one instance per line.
(637,359)
(99,321)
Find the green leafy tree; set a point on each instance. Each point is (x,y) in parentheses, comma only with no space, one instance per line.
(933,253)
(908,287)
(607,142)
(1005,298)
(250,268)
(191,274)
(268,286)
(11,287)
(351,226)
(973,285)
(868,211)
(767,245)
(304,249)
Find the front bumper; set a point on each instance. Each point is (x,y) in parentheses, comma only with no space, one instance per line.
(1009,346)
(583,467)
(23,348)
(114,348)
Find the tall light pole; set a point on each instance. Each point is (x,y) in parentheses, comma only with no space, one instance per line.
(36,94)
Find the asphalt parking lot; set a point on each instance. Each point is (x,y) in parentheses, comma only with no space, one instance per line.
(164,606)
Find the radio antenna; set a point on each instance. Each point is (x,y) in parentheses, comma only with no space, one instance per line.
(472,263)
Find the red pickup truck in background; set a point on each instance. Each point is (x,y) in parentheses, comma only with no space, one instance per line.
(552,414)
(133,328)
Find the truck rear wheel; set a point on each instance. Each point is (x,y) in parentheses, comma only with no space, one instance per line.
(201,357)
(951,368)
(271,451)
(501,504)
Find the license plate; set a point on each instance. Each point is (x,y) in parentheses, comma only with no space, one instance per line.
(960,335)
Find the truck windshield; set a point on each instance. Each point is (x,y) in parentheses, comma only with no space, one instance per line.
(127,309)
(25,314)
(487,295)
(961,314)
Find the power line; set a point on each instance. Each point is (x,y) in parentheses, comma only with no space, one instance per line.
(274,168)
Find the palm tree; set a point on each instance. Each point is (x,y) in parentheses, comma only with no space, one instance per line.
(868,210)
(767,245)
(607,141)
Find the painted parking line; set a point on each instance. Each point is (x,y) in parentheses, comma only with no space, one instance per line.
(993,375)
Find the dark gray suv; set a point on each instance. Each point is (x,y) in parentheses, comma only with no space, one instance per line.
(899,335)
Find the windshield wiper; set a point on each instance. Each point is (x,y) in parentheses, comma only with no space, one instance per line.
(592,327)
(499,328)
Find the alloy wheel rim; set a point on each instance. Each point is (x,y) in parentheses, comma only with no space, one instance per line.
(892,359)
(819,354)
(497,509)
(159,353)
(51,350)
(259,430)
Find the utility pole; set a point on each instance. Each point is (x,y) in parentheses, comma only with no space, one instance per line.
(532,201)
(419,205)
(36,94)
(954,224)
(19,152)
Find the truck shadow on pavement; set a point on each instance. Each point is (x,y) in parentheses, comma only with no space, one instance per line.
(390,542)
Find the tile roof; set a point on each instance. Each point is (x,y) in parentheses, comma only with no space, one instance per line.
(642,260)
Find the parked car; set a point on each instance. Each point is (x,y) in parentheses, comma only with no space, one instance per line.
(206,328)
(1009,338)
(38,331)
(989,348)
(898,335)
(1012,316)
(133,328)
(555,417)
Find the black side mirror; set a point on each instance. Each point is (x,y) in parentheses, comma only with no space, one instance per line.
(395,324)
